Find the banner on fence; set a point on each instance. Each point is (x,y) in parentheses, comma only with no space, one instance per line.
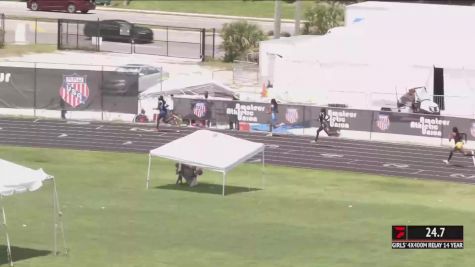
(68,89)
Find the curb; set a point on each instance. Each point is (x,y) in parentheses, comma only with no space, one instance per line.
(192,14)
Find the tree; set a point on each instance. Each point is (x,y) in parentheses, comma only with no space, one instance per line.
(239,39)
(323,16)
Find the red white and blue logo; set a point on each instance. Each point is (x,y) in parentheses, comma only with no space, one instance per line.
(200,109)
(383,122)
(74,90)
(292,115)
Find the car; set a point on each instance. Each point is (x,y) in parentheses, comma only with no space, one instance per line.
(122,82)
(70,6)
(103,2)
(118,30)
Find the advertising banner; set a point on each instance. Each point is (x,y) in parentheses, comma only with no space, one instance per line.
(17,87)
(412,124)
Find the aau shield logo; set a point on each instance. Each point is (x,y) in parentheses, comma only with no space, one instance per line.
(472,129)
(292,115)
(199,110)
(74,90)
(383,122)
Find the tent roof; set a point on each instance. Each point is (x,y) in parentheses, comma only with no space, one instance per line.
(210,150)
(16,179)
(189,86)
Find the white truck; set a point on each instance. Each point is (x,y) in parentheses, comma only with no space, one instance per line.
(422,103)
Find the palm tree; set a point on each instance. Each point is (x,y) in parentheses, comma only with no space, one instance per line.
(239,39)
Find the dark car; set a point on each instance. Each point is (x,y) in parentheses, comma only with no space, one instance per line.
(118,30)
(130,78)
(70,6)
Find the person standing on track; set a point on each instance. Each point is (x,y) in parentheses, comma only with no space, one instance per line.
(459,142)
(324,120)
(162,111)
(273,110)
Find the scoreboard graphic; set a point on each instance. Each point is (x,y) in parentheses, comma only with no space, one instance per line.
(427,237)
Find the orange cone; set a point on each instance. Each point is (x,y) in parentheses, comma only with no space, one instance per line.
(264,90)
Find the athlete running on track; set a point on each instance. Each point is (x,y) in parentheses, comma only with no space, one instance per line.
(459,142)
(324,123)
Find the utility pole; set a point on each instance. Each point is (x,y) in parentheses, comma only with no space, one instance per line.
(298,13)
(277,17)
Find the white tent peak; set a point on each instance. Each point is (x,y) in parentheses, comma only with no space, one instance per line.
(15,178)
(210,150)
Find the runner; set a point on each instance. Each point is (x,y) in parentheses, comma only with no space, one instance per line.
(459,142)
(324,123)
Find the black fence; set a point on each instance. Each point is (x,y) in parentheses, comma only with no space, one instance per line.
(52,88)
(123,37)
(2,30)
(255,116)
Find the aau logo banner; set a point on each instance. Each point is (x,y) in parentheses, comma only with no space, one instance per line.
(200,109)
(292,115)
(74,90)
(383,122)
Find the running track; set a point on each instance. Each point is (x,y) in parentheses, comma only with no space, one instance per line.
(296,151)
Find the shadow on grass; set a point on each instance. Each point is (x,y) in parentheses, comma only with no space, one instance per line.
(19,254)
(207,188)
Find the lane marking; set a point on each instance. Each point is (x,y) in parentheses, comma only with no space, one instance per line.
(78,122)
(99,127)
(127,143)
(62,135)
(272,146)
(419,171)
(36,120)
(352,161)
(397,165)
(461,175)
(329,155)
(136,129)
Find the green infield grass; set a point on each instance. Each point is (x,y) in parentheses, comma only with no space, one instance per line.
(260,9)
(296,217)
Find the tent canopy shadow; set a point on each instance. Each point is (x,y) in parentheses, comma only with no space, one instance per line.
(208,188)
(19,253)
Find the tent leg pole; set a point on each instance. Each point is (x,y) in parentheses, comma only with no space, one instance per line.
(55,221)
(148,171)
(9,250)
(58,220)
(224,181)
(263,170)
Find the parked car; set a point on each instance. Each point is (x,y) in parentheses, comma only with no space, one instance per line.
(103,2)
(70,6)
(123,80)
(118,30)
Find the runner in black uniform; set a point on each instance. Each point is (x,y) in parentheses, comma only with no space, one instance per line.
(459,142)
(324,123)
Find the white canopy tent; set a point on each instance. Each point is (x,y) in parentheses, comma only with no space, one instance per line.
(208,150)
(17,179)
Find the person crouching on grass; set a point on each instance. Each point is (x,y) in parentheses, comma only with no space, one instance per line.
(459,142)
(190,173)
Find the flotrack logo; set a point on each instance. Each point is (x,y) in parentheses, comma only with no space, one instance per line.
(430,127)
(246,112)
(339,118)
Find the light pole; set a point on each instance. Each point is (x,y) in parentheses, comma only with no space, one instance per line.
(277,17)
(298,13)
